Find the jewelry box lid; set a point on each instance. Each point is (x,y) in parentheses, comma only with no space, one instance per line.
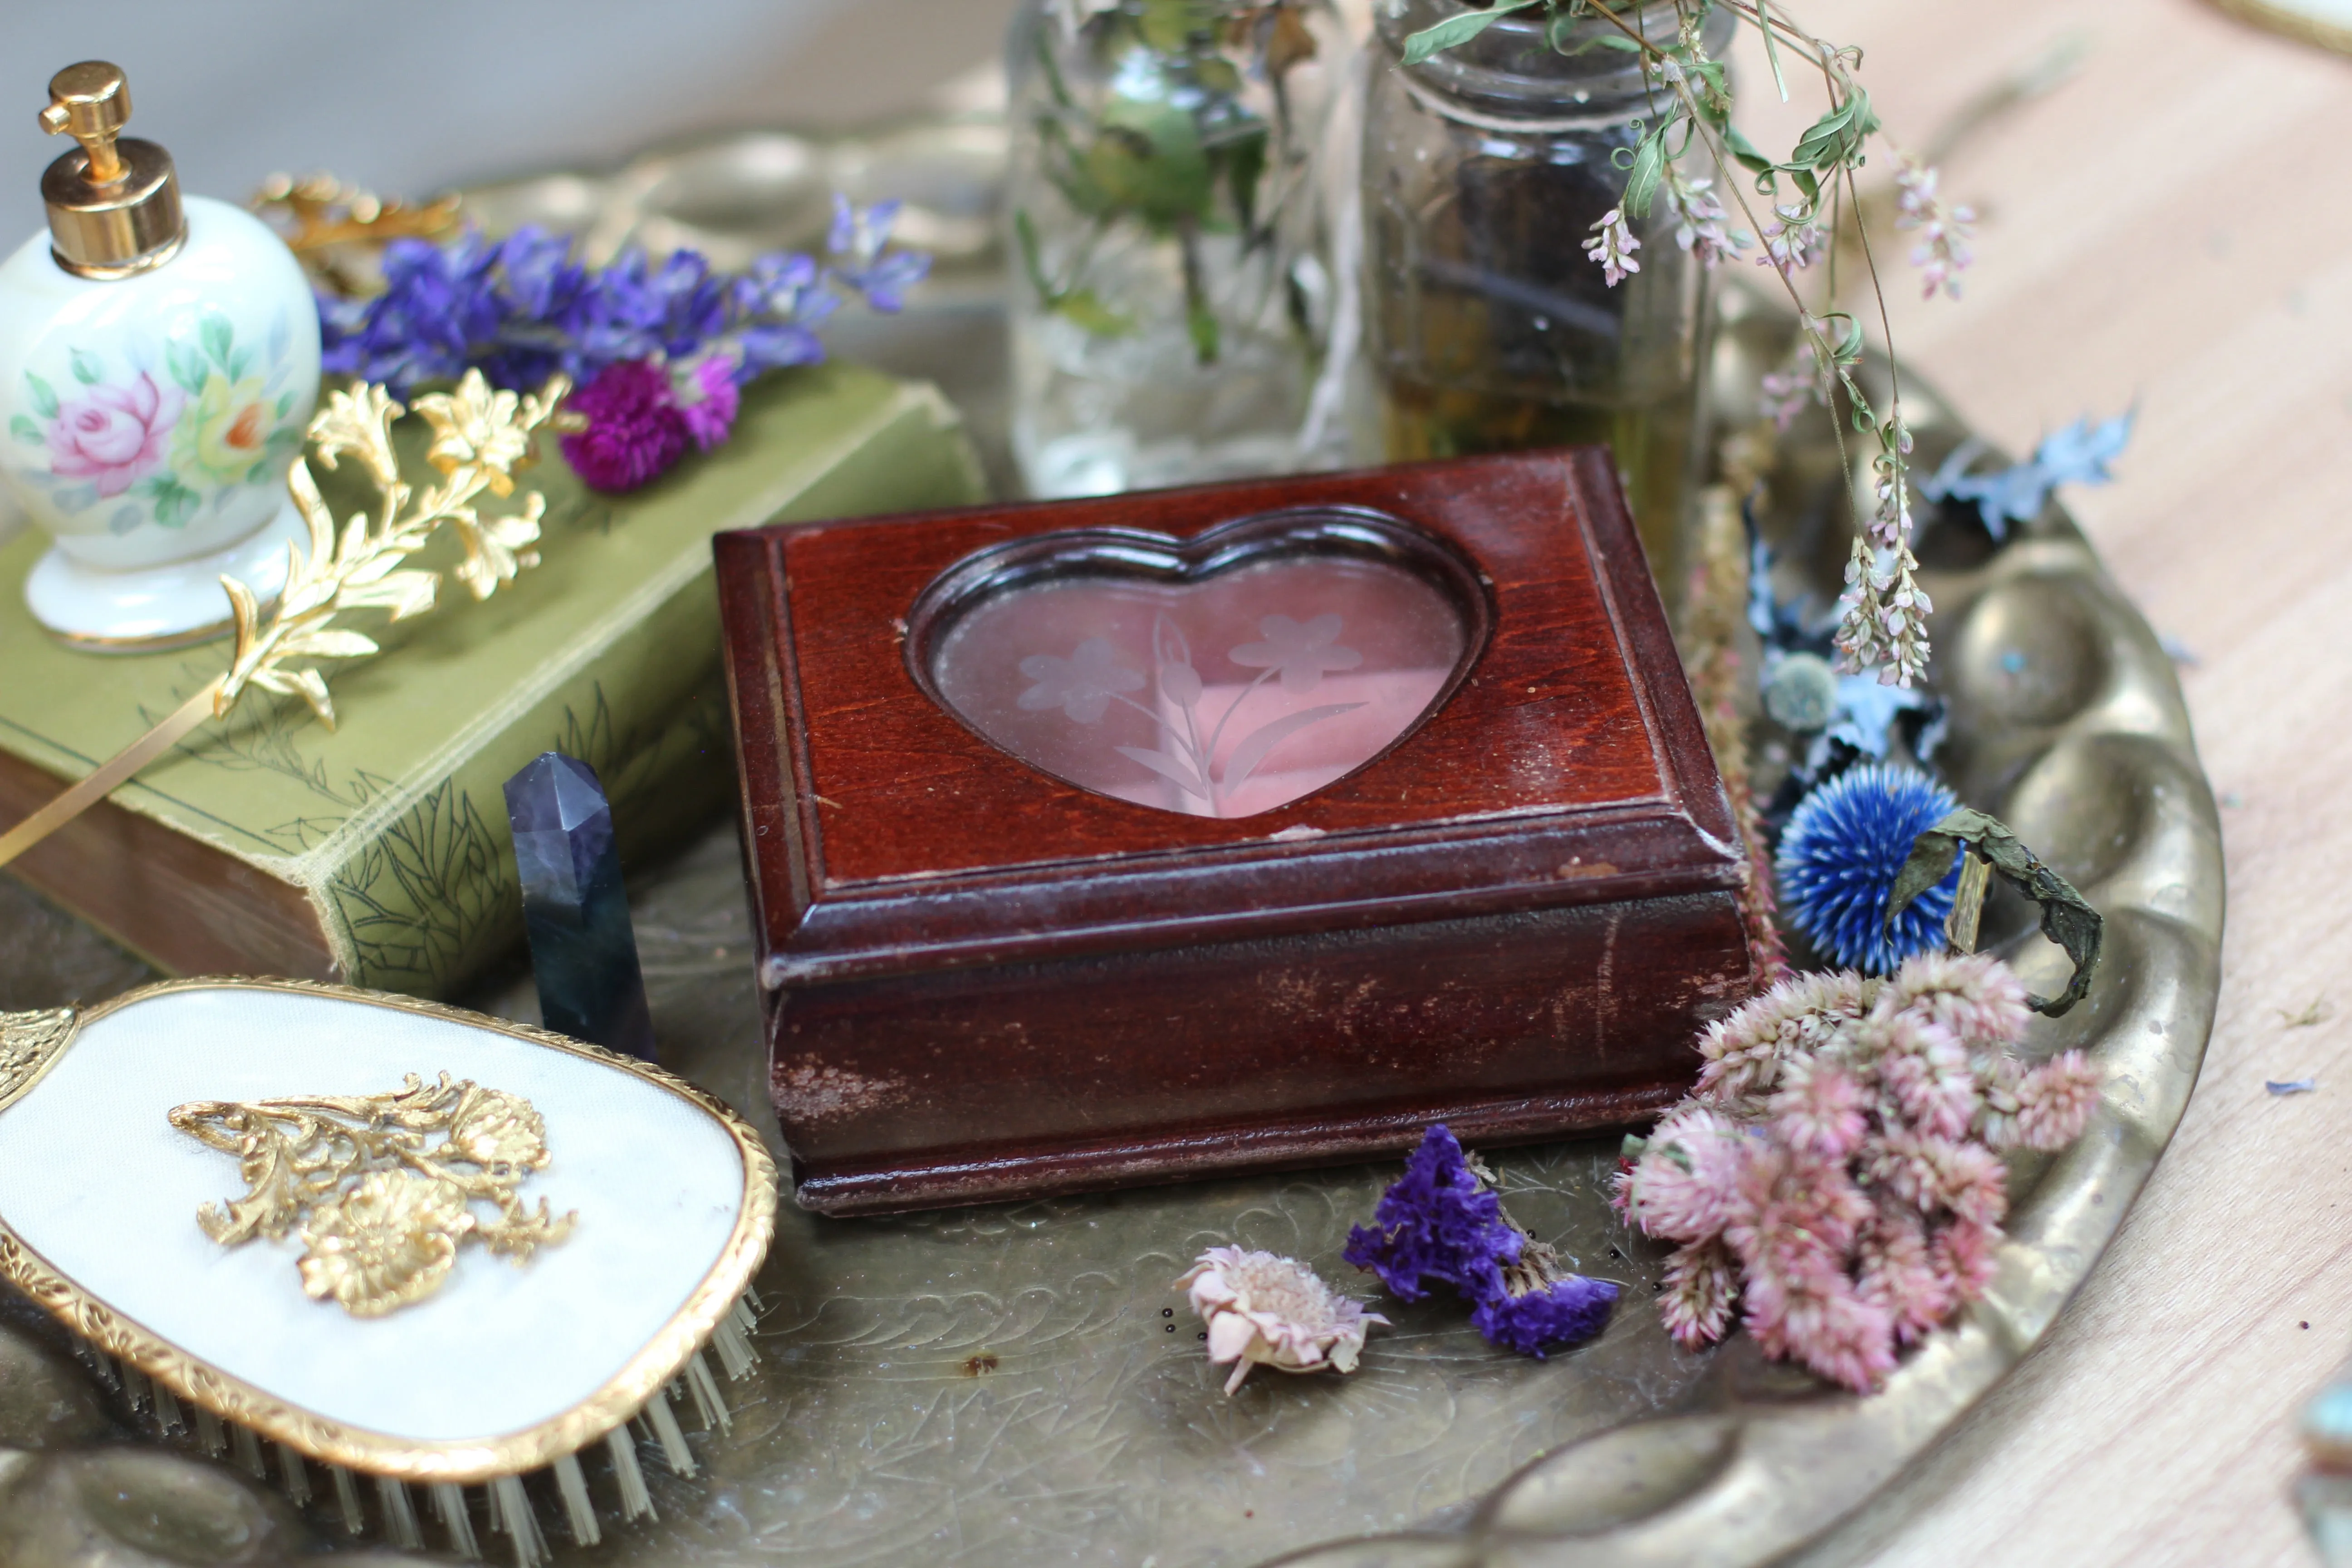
(889,832)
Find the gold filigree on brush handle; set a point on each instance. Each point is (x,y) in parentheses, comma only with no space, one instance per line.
(381,1207)
(28,1042)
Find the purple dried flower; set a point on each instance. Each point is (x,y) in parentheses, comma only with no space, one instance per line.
(635,430)
(1439,1222)
(1571,1311)
(706,397)
(521,307)
(860,238)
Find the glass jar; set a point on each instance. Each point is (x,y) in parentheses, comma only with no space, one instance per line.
(1171,290)
(1488,327)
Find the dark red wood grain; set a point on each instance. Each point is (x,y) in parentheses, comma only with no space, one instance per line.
(982,981)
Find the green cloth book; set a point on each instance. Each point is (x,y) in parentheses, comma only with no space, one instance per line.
(378,853)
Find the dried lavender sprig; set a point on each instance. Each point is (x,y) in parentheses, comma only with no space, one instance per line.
(522,308)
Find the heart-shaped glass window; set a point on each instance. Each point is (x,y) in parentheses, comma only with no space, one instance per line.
(1222,676)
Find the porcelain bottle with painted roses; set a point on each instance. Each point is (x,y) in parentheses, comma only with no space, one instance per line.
(159,361)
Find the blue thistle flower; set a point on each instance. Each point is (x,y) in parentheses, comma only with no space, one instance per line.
(1839,857)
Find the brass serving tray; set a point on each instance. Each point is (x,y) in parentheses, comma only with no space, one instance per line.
(1020,1384)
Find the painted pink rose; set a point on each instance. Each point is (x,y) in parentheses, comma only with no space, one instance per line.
(115,435)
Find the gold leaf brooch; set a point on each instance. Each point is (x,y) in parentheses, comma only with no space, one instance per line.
(381,1205)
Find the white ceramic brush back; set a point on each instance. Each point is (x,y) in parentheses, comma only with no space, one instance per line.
(97,1181)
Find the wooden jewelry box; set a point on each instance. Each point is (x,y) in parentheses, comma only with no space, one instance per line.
(1352,803)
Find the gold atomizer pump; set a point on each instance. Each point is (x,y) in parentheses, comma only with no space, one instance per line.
(114,205)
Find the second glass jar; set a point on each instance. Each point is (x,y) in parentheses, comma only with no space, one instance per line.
(1488,327)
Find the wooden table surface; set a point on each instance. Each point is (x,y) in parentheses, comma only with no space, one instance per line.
(2168,228)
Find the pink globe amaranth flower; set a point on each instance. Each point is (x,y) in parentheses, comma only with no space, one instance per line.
(708,398)
(635,432)
(1975,995)
(2055,1100)
(1962,1256)
(1740,1057)
(1899,1275)
(1701,1286)
(114,436)
(1687,1179)
(1824,1323)
(1818,1110)
(1927,1069)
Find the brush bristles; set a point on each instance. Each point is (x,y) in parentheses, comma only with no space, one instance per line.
(449,1502)
(246,1444)
(510,1511)
(733,1343)
(347,1497)
(664,1421)
(295,1472)
(709,1403)
(399,1514)
(636,1501)
(578,1512)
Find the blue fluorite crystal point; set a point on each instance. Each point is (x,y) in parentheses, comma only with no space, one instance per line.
(582,949)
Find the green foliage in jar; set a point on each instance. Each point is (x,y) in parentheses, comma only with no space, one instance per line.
(1172,146)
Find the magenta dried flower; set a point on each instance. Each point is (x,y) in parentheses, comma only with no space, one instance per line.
(1835,1180)
(708,398)
(1442,1221)
(634,431)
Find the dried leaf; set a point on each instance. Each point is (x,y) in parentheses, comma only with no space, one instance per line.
(2066,919)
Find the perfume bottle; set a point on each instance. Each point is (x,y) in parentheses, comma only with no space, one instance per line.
(159,361)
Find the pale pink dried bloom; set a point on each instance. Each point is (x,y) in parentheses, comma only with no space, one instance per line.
(1932,1173)
(1612,244)
(2055,1100)
(1973,994)
(1265,1310)
(1794,241)
(1891,525)
(1818,1108)
(1823,1322)
(1785,394)
(1882,616)
(1943,252)
(1687,1179)
(1702,1284)
(1792,1208)
(1963,1255)
(1897,1273)
(1925,1071)
(1739,1056)
(1699,219)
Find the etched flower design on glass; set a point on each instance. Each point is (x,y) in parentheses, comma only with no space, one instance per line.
(1085,684)
(1082,685)
(1226,694)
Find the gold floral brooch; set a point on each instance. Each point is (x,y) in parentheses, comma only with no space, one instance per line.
(381,1205)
